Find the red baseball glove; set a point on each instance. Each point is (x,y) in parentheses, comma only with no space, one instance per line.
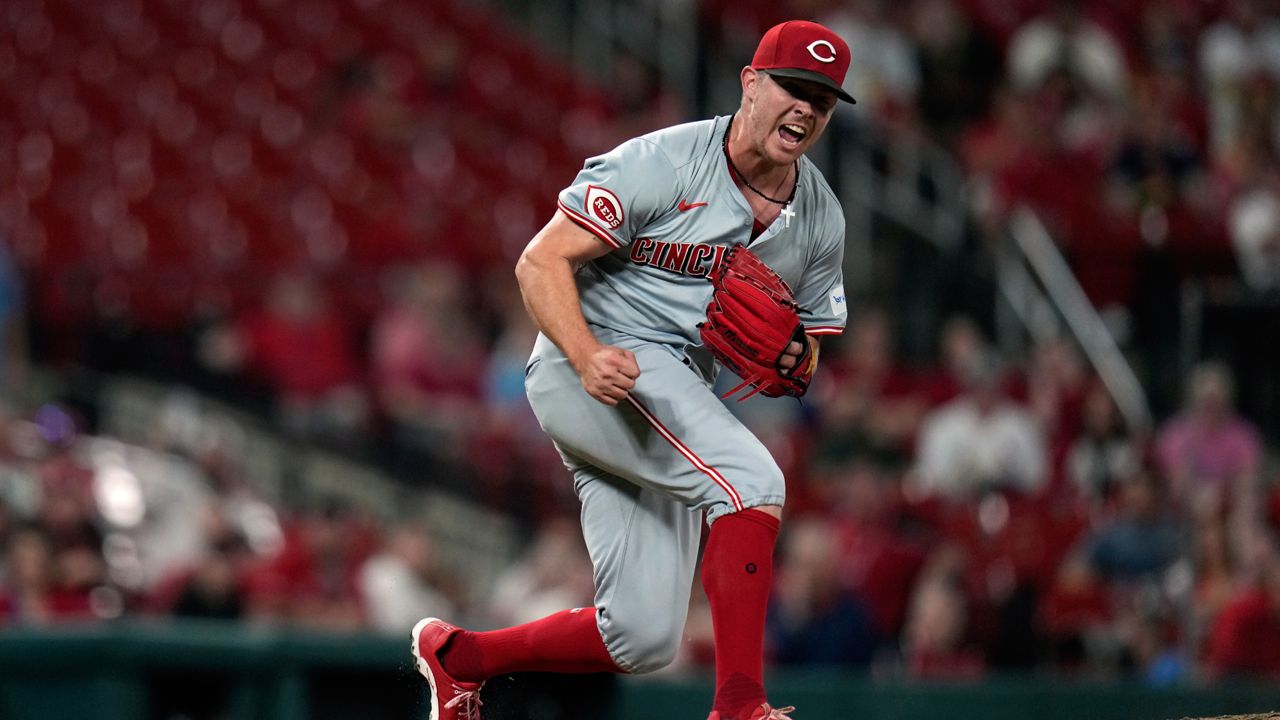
(751,320)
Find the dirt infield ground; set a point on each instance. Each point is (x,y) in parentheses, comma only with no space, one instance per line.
(1257,716)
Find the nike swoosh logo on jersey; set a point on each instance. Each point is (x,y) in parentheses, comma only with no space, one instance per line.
(686,206)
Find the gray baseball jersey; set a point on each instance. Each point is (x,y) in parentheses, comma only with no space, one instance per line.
(647,470)
(668,205)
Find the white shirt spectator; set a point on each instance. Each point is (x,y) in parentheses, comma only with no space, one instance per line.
(1084,49)
(395,584)
(554,574)
(1229,55)
(1255,233)
(964,450)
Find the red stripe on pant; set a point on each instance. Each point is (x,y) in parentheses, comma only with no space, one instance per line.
(689,455)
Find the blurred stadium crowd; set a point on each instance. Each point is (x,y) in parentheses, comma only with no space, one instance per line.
(312,208)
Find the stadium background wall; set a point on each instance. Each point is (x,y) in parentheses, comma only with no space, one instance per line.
(125,672)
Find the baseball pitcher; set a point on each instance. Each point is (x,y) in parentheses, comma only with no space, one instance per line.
(714,243)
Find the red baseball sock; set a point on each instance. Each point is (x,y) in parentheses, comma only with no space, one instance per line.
(566,642)
(737,573)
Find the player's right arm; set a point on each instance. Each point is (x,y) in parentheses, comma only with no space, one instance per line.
(545,272)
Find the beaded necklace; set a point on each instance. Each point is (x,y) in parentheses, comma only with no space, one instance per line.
(795,166)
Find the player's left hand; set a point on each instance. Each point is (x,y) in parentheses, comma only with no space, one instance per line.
(753,327)
(790,356)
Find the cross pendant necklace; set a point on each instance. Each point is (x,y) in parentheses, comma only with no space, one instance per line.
(787,214)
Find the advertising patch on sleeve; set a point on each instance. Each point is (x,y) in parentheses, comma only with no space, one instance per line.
(839,307)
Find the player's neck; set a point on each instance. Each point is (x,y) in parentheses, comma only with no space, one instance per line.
(753,164)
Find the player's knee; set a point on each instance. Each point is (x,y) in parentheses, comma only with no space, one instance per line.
(652,658)
(648,646)
(775,480)
(770,482)
(760,482)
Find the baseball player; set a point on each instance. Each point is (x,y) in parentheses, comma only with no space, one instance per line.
(629,283)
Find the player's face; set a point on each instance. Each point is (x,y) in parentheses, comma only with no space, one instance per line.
(787,115)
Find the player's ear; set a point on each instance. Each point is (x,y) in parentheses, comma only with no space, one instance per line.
(750,76)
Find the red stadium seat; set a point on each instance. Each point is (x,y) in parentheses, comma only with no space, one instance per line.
(183,135)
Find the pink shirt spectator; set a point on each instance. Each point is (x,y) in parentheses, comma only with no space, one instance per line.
(1208,451)
(1216,455)
(422,348)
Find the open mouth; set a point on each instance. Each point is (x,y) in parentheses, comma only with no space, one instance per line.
(792,134)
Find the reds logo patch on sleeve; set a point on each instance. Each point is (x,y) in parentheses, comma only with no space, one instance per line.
(604,206)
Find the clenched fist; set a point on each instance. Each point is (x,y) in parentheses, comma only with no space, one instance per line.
(608,373)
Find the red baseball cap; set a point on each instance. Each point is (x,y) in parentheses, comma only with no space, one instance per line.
(806,51)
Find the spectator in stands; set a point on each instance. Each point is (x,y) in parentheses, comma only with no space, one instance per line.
(1057,379)
(1066,43)
(299,346)
(313,581)
(813,620)
(1168,109)
(41,587)
(67,511)
(425,352)
(1254,225)
(959,68)
(405,581)
(961,346)
(880,547)
(1239,54)
(1103,455)
(1074,614)
(213,585)
(515,468)
(979,441)
(1159,652)
(215,589)
(1144,538)
(1156,194)
(554,574)
(991,146)
(26,583)
(1245,637)
(935,642)
(884,69)
(1056,128)
(1158,163)
(81,588)
(869,401)
(1216,569)
(239,502)
(1210,454)
(515,333)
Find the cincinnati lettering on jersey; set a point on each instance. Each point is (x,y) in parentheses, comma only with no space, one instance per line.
(693,259)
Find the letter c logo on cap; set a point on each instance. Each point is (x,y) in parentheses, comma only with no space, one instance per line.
(813,50)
